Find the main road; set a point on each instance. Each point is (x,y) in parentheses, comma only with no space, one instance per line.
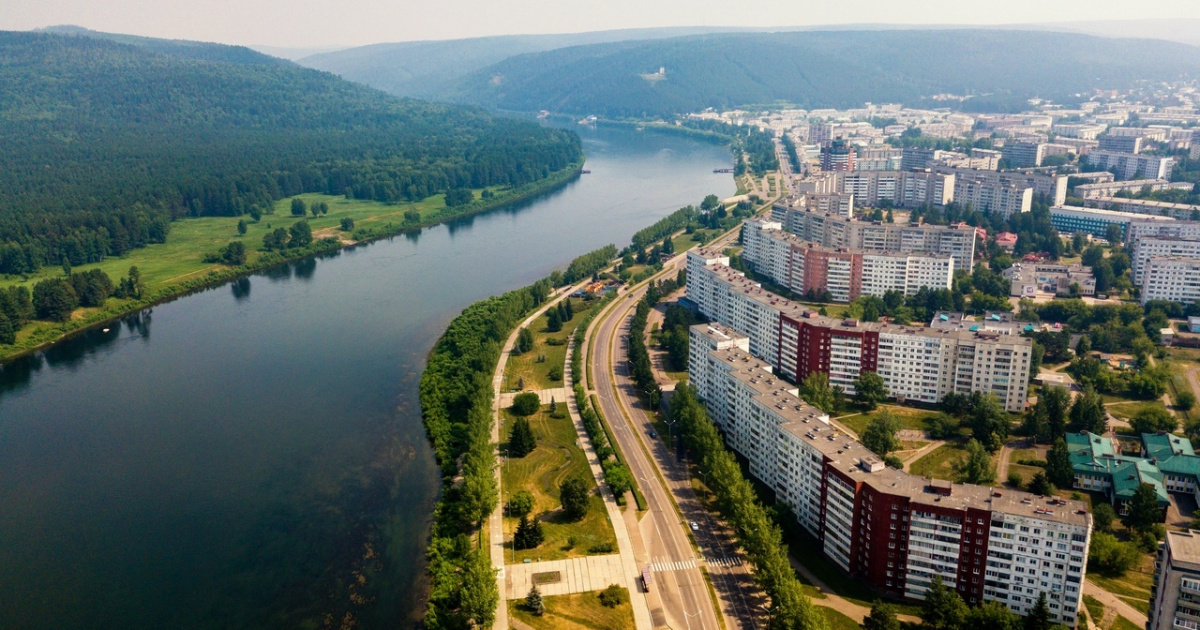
(679,597)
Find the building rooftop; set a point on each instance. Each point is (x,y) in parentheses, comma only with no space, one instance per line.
(1185,546)
(1112,214)
(1098,455)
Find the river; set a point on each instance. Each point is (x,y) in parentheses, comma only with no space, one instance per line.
(252,456)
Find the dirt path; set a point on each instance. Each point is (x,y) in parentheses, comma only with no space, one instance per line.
(921,452)
(1114,604)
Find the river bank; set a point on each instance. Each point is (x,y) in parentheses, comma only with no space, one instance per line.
(182,269)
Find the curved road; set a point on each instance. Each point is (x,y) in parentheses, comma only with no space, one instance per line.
(679,597)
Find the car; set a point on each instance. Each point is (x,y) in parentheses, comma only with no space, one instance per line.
(653,434)
(695,526)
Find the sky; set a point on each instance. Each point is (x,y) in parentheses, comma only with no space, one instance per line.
(342,23)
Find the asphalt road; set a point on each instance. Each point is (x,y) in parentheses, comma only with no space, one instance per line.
(681,595)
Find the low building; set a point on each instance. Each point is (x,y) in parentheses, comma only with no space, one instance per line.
(1030,279)
(1100,467)
(1006,241)
(1110,189)
(1094,221)
(1149,207)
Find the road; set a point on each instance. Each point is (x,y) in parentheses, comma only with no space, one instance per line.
(680,597)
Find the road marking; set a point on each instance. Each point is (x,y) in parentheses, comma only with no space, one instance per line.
(673,565)
(725,561)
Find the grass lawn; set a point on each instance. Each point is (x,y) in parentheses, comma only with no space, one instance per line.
(1133,587)
(576,611)
(910,418)
(839,621)
(938,464)
(1094,607)
(1128,410)
(556,458)
(526,367)
(1026,472)
(1121,623)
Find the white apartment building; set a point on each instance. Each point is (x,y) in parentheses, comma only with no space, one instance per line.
(904,189)
(1109,189)
(1172,279)
(992,197)
(1051,186)
(890,529)
(1132,165)
(1145,248)
(830,230)
(1142,228)
(1175,596)
(1178,211)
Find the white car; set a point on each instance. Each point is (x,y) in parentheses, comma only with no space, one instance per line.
(695,527)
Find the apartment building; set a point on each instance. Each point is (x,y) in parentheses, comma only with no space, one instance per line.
(903,189)
(1178,211)
(831,230)
(1131,165)
(1050,186)
(1109,189)
(1172,278)
(1144,227)
(1147,247)
(838,156)
(1023,154)
(1030,279)
(1175,596)
(802,266)
(877,158)
(1121,144)
(1094,221)
(890,529)
(916,363)
(993,197)
(1082,131)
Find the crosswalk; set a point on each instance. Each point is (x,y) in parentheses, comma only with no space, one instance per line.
(664,564)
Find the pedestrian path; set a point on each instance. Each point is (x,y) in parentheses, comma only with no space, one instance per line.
(564,577)
(677,565)
(557,394)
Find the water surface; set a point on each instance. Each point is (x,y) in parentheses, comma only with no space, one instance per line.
(252,456)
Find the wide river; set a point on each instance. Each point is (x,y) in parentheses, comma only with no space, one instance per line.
(252,456)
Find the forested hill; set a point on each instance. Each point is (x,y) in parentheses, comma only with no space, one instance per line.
(821,69)
(106,142)
(205,51)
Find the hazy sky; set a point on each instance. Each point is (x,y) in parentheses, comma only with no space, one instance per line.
(327,23)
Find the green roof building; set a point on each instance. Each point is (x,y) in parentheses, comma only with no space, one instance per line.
(1100,467)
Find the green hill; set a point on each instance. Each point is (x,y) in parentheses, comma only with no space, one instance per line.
(428,69)
(821,69)
(107,142)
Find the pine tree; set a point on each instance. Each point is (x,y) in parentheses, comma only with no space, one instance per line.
(977,467)
(521,441)
(1087,414)
(1058,465)
(568,310)
(1040,484)
(943,609)
(554,321)
(1039,616)
(534,603)
(528,535)
(882,617)
(1144,511)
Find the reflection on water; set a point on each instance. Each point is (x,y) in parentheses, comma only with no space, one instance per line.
(260,463)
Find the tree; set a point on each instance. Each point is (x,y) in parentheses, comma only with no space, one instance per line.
(870,389)
(1187,400)
(1103,516)
(612,596)
(991,616)
(526,404)
(347,224)
(478,594)
(521,441)
(1054,403)
(1143,511)
(1040,484)
(519,504)
(977,466)
(1083,346)
(989,423)
(882,617)
(880,434)
(54,299)
(553,404)
(529,534)
(1087,413)
(555,373)
(815,391)
(942,609)
(1153,420)
(1109,556)
(241,227)
(299,208)
(553,321)
(234,254)
(1038,617)
(300,234)
(524,342)
(8,333)
(534,603)
(573,493)
(1058,465)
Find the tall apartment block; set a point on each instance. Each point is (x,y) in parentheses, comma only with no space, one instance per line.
(1175,596)
(838,156)
(1150,227)
(921,364)
(1023,154)
(1145,248)
(993,197)
(893,530)
(903,189)
(1052,187)
(832,230)
(1132,165)
(1174,279)
(801,266)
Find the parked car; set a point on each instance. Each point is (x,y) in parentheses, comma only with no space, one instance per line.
(695,526)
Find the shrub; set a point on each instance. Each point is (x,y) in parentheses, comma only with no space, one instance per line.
(612,596)
(1015,480)
(604,547)
(555,373)
(526,404)
(519,504)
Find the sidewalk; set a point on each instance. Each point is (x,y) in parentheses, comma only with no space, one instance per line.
(557,394)
(1115,603)
(576,575)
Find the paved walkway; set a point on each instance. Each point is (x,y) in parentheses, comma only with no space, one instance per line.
(1115,603)
(558,394)
(576,575)
(852,610)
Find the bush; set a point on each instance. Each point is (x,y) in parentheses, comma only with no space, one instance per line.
(347,224)
(520,504)
(526,404)
(1187,400)
(1103,515)
(1015,480)
(604,547)
(612,596)
(555,373)
(1111,557)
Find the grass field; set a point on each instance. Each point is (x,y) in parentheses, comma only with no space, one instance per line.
(575,612)
(938,464)
(1127,410)
(915,419)
(1121,623)
(556,458)
(1026,472)
(1134,587)
(526,367)
(839,621)
(1094,607)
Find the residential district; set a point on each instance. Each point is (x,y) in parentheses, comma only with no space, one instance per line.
(1023,288)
